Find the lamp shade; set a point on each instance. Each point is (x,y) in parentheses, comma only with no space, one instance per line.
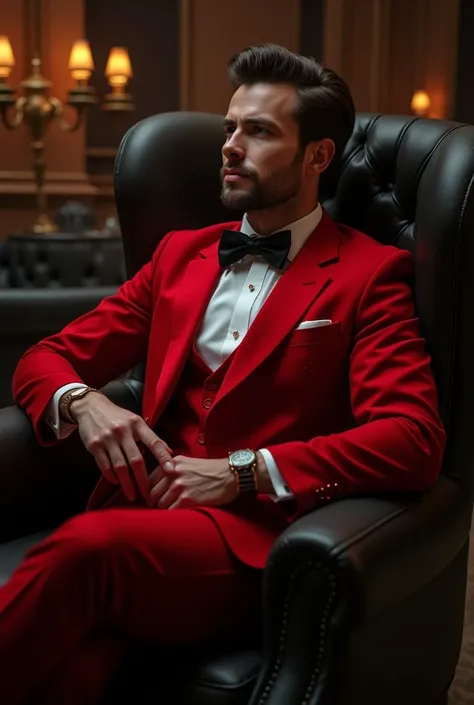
(81,63)
(420,103)
(119,68)
(7,60)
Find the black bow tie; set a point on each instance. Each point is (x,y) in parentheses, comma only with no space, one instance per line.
(234,245)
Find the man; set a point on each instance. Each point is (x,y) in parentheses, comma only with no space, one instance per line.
(284,340)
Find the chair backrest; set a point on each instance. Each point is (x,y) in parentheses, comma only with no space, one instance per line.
(403,180)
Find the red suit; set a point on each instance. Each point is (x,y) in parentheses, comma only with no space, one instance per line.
(345,409)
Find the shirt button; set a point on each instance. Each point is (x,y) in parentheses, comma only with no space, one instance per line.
(207,403)
(235,334)
(251,287)
(200,439)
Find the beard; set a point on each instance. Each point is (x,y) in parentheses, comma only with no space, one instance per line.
(280,187)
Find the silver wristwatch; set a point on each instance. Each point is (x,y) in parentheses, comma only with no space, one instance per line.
(243,464)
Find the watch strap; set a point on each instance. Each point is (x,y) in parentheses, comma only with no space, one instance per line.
(68,398)
(246,478)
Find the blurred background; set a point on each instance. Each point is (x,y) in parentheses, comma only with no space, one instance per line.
(388,50)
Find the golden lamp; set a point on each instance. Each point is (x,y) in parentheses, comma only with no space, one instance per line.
(36,108)
(420,103)
(118,72)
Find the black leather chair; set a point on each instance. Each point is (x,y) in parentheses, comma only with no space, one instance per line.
(28,315)
(363,599)
(32,269)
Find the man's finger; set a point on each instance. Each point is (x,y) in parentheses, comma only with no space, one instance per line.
(155,476)
(120,468)
(169,496)
(159,489)
(105,466)
(156,446)
(136,463)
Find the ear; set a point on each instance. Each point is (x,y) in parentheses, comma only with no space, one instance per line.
(321,155)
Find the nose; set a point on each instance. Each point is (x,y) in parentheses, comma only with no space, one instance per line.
(233,148)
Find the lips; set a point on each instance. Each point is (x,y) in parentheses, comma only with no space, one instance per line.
(234,175)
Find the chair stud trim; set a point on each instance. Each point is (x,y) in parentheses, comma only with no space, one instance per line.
(323,630)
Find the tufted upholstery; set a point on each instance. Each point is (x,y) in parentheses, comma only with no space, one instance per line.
(364,598)
(63,260)
(409,182)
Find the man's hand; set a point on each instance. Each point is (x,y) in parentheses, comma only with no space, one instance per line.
(110,434)
(193,482)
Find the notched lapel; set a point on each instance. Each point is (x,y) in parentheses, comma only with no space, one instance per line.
(194,292)
(192,296)
(294,293)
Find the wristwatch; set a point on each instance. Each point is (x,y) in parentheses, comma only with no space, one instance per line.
(243,464)
(67,399)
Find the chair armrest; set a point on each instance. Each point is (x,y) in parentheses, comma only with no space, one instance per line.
(40,487)
(344,564)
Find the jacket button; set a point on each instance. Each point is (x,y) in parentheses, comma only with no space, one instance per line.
(207,403)
(200,439)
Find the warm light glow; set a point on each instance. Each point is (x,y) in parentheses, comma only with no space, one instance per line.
(81,63)
(119,68)
(7,60)
(420,103)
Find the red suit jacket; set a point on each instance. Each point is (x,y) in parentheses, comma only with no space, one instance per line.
(345,409)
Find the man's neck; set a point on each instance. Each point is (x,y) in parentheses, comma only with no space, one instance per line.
(266,222)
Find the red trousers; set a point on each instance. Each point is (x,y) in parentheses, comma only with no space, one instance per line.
(70,614)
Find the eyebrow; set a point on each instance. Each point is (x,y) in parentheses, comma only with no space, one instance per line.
(253,121)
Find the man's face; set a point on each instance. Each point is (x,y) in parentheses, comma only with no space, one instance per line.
(262,158)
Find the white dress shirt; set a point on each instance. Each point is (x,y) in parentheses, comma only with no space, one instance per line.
(239,295)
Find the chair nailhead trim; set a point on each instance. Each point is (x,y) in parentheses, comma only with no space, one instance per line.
(284,626)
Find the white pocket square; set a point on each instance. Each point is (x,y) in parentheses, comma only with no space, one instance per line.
(314,324)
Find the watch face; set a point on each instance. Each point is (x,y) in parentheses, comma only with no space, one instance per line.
(242,458)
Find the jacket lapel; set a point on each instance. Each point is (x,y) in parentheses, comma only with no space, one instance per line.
(293,294)
(190,302)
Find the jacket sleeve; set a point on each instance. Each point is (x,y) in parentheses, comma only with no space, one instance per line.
(397,441)
(94,349)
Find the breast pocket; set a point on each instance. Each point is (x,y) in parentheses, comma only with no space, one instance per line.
(315,336)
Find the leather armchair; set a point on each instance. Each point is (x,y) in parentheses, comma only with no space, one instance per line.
(363,599)
(28,315)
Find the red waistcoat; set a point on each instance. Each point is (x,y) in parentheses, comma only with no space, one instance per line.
(183,422)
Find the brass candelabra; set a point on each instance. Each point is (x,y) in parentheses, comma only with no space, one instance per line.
(36,108)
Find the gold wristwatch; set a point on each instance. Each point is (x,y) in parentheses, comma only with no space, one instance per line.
(67,399)
(243,464)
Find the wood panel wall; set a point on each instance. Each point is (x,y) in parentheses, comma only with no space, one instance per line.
(212,31)
(464,103)
(386,49)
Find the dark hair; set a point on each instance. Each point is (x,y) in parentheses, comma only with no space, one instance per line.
(325,108)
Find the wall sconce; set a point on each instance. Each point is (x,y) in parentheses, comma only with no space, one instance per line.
(37,108)
(118,72)
(420,103)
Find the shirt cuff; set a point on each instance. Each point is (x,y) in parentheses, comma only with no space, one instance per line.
(62,429)
(282,491)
